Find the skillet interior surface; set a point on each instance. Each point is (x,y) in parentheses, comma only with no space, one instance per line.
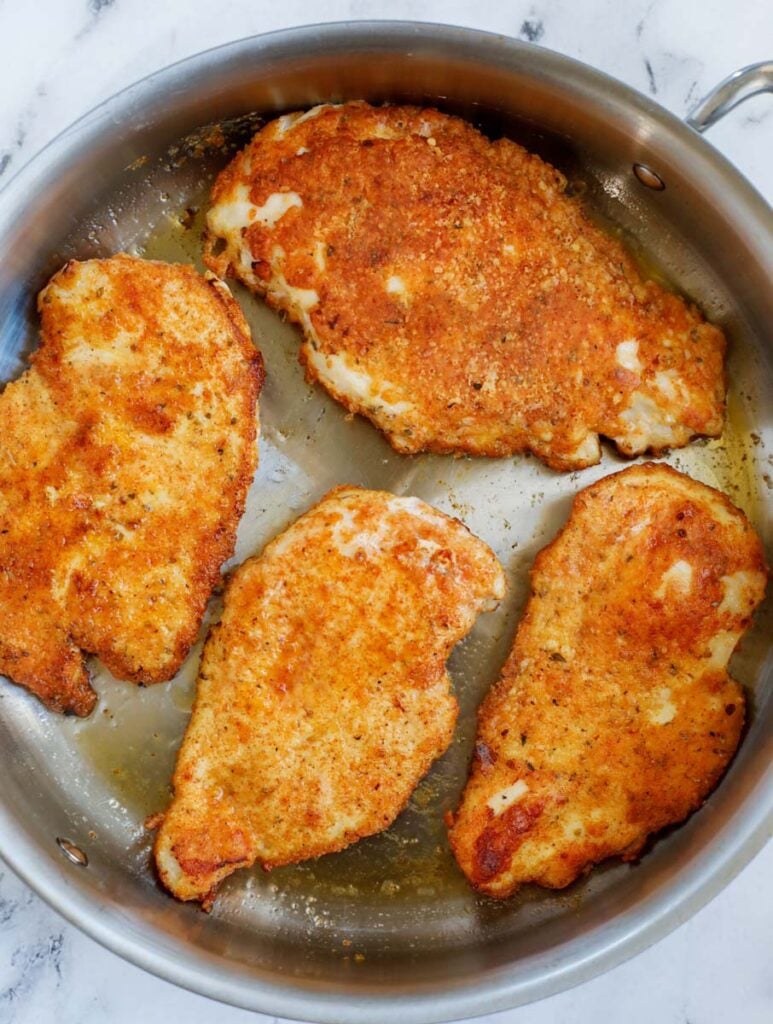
(389,925)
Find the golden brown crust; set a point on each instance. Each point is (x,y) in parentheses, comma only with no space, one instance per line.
(450,290)
(614,715)
(323,695)
(126,452)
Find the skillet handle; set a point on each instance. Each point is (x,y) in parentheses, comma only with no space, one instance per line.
(741,85)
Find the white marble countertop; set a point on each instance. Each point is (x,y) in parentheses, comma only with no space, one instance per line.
(61,57)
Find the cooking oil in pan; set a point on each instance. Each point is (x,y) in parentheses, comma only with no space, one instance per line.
(178,239)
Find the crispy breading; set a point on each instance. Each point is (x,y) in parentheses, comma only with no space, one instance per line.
(323,696)
(126,451)
(615,714)
(449,290)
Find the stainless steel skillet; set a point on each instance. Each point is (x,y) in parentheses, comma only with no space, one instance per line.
(386,930)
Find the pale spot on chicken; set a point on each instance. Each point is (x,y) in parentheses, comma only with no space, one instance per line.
(677,578)
(340,377)
(275,207)
(742,591)
(501,801)
(627,354)
(664,710)
(396,286)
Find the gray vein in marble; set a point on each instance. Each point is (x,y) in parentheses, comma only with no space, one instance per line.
(8,909)
(10,906)
(759,116)
(25,121)
(533,28)
(31,961)
(643,20)
(653,85)
(95,9)
(691,95)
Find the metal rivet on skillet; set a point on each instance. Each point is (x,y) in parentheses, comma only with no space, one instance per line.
(648,177)
(72,852)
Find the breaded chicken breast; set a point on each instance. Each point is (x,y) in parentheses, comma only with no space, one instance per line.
(323,696)
(126,451)
(615,714)
(450,290)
